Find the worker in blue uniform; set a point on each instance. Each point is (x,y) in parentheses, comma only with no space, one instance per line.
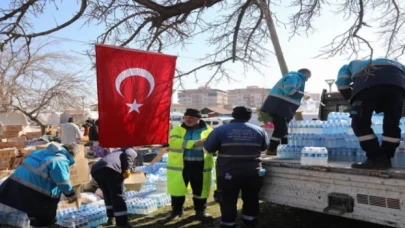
(374,86)
(239,166)
(282,103)
(36,185)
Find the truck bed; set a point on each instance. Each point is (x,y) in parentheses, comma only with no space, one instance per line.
(334,167)
(375,196)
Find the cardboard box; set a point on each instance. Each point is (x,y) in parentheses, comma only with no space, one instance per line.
(8,153)
(79,172)
(5,163)
(81,153)
(13,128)
(17,139)
(18,145)
(4,174)
(12,134)
(15,162)
(25,152)
(33,135)
(135,181)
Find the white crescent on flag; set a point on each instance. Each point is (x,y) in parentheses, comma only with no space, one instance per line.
(133,72)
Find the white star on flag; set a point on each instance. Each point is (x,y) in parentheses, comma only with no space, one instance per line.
(134,106)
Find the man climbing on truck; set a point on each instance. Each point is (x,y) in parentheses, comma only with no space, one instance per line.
(282,103)
(374,86)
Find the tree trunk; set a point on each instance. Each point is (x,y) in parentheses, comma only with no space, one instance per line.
(274,38)
(43,126)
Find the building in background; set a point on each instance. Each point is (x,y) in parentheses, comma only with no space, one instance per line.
(251,96)
(216,111)
(180,108)
(202,97)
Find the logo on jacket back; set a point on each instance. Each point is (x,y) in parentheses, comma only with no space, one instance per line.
(244,134)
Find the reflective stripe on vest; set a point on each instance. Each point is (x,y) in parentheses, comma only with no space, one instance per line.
(176,150)
(285,98)
(241,144)
(33,187)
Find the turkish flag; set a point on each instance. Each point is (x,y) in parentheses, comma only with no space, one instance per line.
(134,96)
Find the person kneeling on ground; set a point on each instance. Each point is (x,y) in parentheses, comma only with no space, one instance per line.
(109,173)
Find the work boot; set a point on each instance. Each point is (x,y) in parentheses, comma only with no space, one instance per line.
(202,215)
(249,223)
(174,215)
(377,164)
(110,222)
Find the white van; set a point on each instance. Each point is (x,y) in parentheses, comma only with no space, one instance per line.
(217,121)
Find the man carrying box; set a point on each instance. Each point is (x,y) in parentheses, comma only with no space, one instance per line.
(36,185)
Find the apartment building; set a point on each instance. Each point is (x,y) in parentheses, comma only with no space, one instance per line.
(251,96)
(203,96)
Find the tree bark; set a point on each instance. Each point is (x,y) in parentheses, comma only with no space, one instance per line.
(274,38)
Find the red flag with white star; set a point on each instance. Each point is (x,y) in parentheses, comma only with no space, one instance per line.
(134,96)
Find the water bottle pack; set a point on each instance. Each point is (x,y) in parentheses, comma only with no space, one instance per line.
(16,219)
(314,156)
(86,216)
(145,190)
(289,152)
(141,206)
(161,199)
(337,136)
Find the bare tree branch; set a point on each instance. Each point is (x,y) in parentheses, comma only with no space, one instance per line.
(43,80)
(18,28)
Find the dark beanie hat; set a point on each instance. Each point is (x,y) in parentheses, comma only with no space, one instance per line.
(242,113)
(193,112)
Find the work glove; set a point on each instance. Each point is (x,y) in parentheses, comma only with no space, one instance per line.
(72,199)
(126,174)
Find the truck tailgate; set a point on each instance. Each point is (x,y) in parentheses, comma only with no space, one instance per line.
(378,196)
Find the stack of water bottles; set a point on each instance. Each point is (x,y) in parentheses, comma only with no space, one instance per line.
(141,206)
(86,216)
(17,219)
(161,199)
(336,136)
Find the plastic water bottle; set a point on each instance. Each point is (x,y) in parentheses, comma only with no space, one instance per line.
(304,156)
(360,155)
(322,156)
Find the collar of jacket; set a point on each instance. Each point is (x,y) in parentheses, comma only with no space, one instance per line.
(53,149)
(239,121)
(202,124)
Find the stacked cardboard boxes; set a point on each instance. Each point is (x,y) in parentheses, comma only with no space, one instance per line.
(33,134)
(12,131)
(9,158)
